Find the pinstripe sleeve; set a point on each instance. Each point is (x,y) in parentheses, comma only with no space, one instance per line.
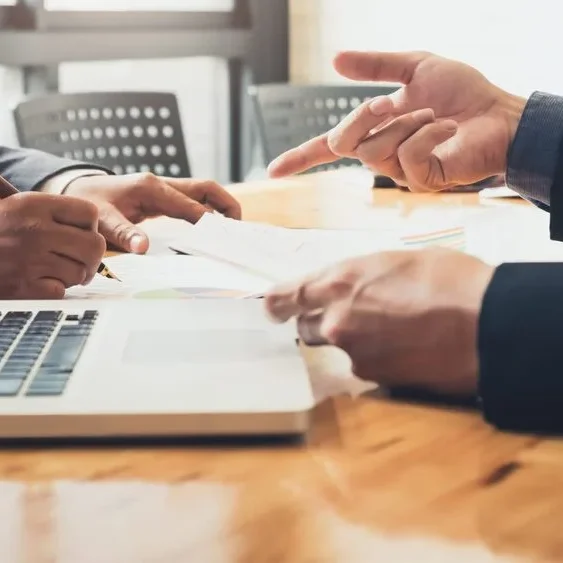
(533,156)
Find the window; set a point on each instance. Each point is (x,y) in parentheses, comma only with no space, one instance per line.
(141,5)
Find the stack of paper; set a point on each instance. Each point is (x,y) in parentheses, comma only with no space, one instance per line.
(278,253)
(241,259)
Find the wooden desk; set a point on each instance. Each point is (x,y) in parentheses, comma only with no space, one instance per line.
(376,480)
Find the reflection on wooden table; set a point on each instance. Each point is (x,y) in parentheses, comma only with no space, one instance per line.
(376,479)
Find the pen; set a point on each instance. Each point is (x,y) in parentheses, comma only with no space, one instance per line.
(7,189)
(103,270)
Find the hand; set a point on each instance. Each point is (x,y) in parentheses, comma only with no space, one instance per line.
(124,201)
(47,243)
(447,126)
(406,318)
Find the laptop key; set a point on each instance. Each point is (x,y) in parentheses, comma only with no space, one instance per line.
(54,375)
(51,389)
(48,316)
(10,387)
(64,352)
(18,315)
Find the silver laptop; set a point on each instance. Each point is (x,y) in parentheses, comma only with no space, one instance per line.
(89,369)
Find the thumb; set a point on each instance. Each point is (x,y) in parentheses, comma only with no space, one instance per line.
(120,232)
(378,66)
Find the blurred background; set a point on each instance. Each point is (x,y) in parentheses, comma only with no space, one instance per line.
(210,53)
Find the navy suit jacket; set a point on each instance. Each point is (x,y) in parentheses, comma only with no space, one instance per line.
(26,169)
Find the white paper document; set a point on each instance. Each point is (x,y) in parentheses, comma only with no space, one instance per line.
(146,277)
(278,253)
(240,259)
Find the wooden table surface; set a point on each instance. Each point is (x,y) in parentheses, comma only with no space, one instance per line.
(376,480)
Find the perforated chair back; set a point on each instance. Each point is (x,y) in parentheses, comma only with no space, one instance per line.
(126,132)
(289,115)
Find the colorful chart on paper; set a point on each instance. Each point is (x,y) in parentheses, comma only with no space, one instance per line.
(190,293)
(451,238)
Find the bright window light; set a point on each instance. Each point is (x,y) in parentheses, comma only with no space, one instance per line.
(141,5)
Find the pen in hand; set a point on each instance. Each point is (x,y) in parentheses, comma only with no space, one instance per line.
(7,189)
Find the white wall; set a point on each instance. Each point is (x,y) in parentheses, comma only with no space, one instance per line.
(518,44)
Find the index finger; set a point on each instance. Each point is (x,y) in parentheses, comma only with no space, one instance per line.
(358,124)
(308,155)
(161,198)
(297,298)
(208,193)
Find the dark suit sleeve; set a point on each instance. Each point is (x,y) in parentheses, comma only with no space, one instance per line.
(556,207)
(521,348)
(27,169)
(521,322)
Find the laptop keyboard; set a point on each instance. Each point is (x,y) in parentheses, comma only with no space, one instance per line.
(39,350)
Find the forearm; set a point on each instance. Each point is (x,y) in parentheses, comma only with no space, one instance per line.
(521,348)
(29,169)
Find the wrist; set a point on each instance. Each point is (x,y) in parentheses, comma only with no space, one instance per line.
(81,181)
(475,298)
(511,109)
(60,183)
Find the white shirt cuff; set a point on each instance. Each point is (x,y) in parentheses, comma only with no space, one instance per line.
(59,183)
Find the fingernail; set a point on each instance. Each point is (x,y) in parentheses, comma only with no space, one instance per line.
(380,106)
(137,243)
(451,126)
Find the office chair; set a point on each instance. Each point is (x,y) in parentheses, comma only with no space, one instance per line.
(287,115)
(126,132)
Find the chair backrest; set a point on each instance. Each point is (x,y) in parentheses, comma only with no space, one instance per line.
(126,132)
(288,115)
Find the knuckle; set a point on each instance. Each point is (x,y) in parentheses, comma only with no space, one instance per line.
(94,248)
(335,330)
(339,287)
(342,281)
(33,233)
(52,291)
(403,152)
(99,245)
(79,276)
(335,143)
(147,178)
(423,54)
(211,186)
(366,153)
(88,208)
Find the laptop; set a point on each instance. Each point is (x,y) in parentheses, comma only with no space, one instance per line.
(155,368)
